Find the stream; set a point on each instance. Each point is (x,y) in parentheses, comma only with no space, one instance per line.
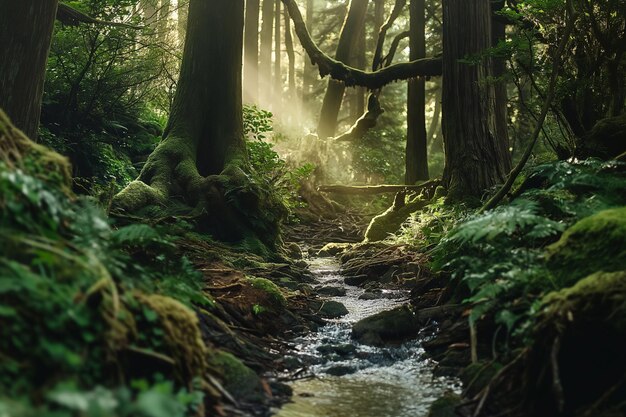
(349,379)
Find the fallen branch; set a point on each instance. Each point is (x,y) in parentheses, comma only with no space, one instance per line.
(375,189)
(352,76)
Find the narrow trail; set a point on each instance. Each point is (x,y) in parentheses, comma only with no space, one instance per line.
(345,378)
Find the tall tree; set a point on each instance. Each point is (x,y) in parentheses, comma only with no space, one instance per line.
(265,52)
(278,79)
(26,28)
(348,39)
(251,52)
(291,56)
(475,158)
(309,69)
(201,160)
(416,156)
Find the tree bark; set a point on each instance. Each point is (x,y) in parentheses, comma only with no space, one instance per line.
(291,55)
(355,19)
(309,70)
(416,156)
(26,28)
(202,160)
(251,52)
(265,52)
(278,79)
(473,158)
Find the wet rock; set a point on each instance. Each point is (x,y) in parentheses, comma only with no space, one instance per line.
(334,249)
(332,310)
(332,291)
(343,350)
(393,326)
(340,370)
(370,296)
(445,406)
(356,280)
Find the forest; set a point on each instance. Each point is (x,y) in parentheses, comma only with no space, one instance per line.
(312,208)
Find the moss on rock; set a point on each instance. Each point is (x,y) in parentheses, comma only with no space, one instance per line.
(595,243)
(445,406)
(390,221)
(181,333)
(239,380)
(271,289)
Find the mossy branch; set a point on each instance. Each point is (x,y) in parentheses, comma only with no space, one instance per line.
(354,77)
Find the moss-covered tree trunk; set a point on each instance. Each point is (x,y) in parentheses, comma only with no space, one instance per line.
(25,34)
(201,160)
(474,153)
(251,52)
(348,40)
(416,157)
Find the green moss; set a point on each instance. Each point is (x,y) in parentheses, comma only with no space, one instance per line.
(271,289)
(137,195)
(595,243)
(390,221)
(445,406)
(239,380)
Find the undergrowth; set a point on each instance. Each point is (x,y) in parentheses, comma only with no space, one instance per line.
(497,259)
(71,312)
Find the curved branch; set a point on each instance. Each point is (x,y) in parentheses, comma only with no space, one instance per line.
(72,17)
(382,33)
(352,76)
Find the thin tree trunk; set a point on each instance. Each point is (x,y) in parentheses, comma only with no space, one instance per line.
(183,12)
(265,52)
(434,122)
(416,157)
(26,28)
(164,19)
(473,158)
(149,10)
(291,55)
(251,52)
(498,33)
(309,69)
(278,79)
(355,19)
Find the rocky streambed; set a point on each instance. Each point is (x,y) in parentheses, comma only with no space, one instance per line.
(338,376)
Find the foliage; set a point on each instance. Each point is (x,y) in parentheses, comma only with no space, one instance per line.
(69,307)
(257,123)
(499,256)
(268,168)
(107,90)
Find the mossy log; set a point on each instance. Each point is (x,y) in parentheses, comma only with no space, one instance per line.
(375,189)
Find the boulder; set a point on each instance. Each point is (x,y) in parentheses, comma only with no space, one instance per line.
(595,243)
(331,291)
(392,326)
(332,309)
(334,249)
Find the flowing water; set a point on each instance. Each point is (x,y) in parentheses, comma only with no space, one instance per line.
(382,382)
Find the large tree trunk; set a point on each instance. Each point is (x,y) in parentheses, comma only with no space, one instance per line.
(473,151)
(251,52)
(26,28)
(416,156)
(201,160)
(348,40)
(265,52)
